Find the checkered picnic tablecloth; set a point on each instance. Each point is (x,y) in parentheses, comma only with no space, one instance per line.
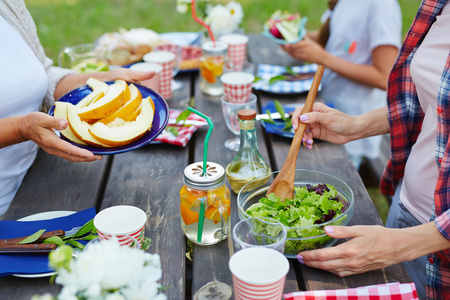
(184,132)
(283,87)
(388,291)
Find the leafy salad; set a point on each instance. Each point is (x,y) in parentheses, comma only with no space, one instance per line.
(312,205)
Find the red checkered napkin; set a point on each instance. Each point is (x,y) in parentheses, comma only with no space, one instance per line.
(184,132)
(387,291)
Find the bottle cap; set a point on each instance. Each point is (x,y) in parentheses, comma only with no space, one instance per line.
(215,48)
(246,114)
(215,176)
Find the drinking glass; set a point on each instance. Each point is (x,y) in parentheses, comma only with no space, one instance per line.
(175,49)
(230,111)
(259,232)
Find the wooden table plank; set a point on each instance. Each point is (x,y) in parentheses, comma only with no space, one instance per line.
(150,178)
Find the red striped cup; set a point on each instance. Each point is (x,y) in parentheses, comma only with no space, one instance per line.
(258,273)
(123,222)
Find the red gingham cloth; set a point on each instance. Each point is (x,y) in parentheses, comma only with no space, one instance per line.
(387,291)
(184,132)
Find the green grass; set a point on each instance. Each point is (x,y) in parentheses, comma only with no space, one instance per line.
(63,23)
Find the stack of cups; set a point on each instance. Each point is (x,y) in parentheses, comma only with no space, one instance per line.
(154,82)
(237,49)
(237,86)
(258,273)
(123,222)
(166,59)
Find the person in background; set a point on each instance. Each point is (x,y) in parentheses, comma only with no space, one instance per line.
(357,45)
(417,118)
(29,82)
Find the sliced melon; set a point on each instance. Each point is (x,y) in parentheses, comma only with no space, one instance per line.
(131,131)
(95,83)
(128,108)
(80,128)
(105,106)
(61,112)
(126,89)
(90,98)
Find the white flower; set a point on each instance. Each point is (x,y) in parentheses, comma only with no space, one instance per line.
(224,19)
(108,271)
(236,12)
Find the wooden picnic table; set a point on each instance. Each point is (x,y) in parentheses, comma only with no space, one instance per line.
(151,177)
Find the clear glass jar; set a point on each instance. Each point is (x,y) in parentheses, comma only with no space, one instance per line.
(208,195)
(248,164)
(212,61)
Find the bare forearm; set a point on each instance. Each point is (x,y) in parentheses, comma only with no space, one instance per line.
(73,81)
(421,240)
(9,131)
(369,75)
(374,122)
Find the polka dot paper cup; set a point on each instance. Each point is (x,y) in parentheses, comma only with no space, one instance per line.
(124,223)
(237,86)
(258,273)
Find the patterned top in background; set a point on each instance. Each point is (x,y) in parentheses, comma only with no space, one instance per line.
(283,87)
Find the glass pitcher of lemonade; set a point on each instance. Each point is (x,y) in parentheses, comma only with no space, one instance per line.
(205,204)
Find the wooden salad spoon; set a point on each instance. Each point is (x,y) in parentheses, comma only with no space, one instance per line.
(283,185)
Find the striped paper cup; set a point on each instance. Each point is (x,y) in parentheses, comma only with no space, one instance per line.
(154,82)
(237,86)
(237,48)
(123,222)
(258,273)
(166,60)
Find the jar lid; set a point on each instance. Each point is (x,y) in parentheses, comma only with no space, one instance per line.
(246,114)
(215,175)
(216,48)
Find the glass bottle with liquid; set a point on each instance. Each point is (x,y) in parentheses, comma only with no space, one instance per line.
(214,57)
(248,164)
(205,204)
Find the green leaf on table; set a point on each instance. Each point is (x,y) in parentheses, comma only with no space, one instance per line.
(172,129)
(276,78)
(145,244)
(287,125)
(86,228)
(54,240)
(183,116)
(291,71)
(32,238)
(75,244)
(257,79)
(280,109)
(269,120)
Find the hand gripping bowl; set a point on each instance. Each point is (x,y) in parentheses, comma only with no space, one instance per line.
(306,237)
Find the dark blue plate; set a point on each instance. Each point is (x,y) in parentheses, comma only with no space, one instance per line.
(160,119)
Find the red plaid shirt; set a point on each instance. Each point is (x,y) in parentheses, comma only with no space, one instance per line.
(405,118)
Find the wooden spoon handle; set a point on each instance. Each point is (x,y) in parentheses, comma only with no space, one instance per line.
(297,140)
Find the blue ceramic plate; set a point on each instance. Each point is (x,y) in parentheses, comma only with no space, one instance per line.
(160,119)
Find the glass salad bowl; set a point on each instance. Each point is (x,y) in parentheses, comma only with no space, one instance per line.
(320,200)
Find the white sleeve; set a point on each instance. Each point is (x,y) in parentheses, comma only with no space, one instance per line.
(385,23)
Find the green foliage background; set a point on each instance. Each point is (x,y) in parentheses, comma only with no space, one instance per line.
(63,23)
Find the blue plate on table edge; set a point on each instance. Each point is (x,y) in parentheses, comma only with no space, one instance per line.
(160,119)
